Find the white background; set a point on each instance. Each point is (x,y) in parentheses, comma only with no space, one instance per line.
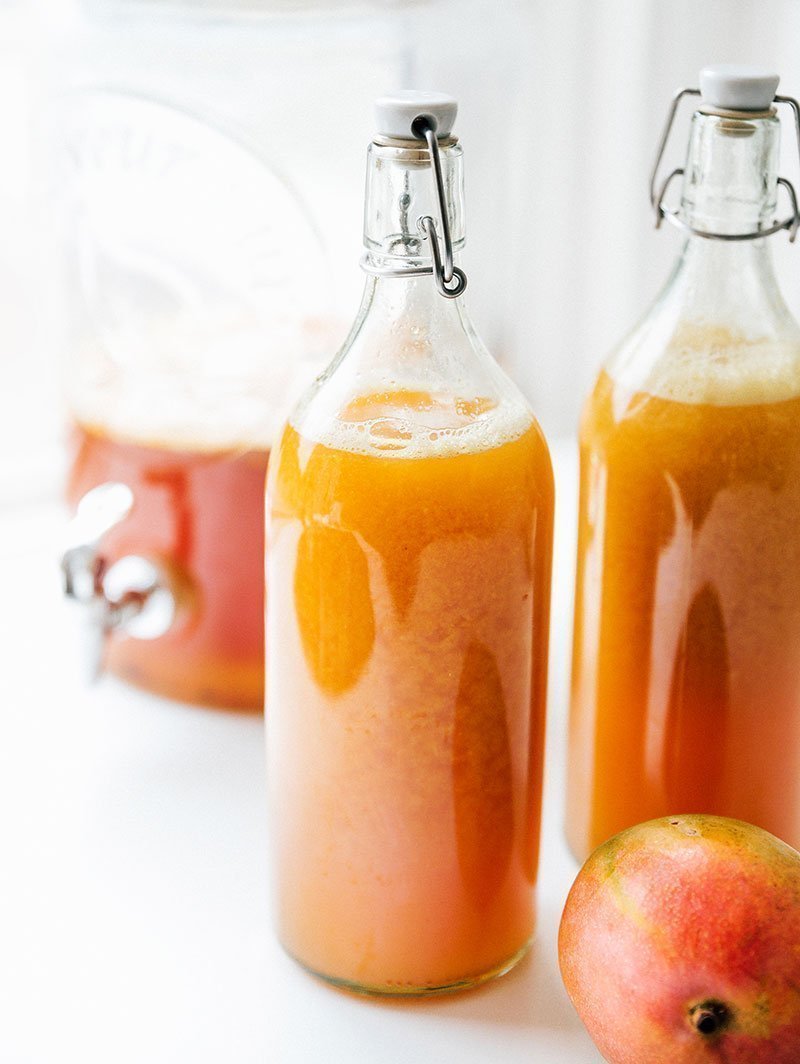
(133,910)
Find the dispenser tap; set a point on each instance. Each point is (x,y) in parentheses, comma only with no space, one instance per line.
(133,595)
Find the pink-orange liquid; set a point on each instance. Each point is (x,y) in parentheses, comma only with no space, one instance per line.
(409,613)
(202,514)
(686,676)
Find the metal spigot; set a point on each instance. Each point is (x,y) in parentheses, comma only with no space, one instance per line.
(134,595)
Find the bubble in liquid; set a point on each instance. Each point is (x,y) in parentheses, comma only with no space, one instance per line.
(388,446)
(390,428)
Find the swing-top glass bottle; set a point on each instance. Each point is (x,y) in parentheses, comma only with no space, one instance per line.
(410,506)
(686,669)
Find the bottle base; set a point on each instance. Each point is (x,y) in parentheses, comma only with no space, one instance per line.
(399,989)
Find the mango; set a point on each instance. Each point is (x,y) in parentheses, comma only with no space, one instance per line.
(680,944)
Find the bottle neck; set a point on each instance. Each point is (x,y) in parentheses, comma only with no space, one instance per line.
(730,186)
(731,174)
(400,192)
(411,350)
(405,329)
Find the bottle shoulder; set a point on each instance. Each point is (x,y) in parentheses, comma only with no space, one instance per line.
(408,389)
(718,333)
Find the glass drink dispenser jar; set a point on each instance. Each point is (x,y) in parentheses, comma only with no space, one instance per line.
(186,340)
(197,296)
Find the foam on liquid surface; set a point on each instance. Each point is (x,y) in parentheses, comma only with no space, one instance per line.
(712,366)
(416,424)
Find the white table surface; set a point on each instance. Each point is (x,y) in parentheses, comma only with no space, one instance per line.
(134,910)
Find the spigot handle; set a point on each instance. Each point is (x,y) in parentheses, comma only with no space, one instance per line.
(134,595)
(100,510)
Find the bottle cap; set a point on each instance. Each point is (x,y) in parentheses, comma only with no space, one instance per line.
(731,87)
(395,113)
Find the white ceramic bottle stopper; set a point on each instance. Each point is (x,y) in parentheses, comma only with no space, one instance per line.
(395,113)
(730,87)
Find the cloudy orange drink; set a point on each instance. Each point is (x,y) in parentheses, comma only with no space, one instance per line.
(686,665)
(686,680)
(408,564)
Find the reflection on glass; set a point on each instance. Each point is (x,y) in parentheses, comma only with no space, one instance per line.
(483,793)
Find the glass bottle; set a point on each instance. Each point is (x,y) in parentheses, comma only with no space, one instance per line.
(409,527)
(686,668)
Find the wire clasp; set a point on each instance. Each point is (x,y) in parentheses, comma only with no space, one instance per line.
(450,279)
(657,194)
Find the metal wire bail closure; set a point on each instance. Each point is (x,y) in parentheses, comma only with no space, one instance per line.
(657,194)
(450,279)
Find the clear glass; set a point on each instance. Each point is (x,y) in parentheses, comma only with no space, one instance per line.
(686,682)
(409,528)
(184,338)
(198,240)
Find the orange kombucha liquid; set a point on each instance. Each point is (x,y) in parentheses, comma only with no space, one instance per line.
(408,618)
(201,513)
(686,671)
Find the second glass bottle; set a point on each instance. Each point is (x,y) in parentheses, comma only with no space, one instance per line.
(686,688)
